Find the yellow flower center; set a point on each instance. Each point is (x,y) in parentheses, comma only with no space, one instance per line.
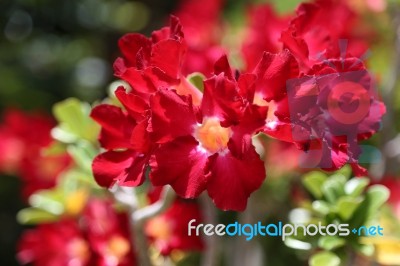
(118,247)
(159,228)
(79,249)
(212,136)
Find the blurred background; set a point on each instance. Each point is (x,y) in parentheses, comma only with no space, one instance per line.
(52,50)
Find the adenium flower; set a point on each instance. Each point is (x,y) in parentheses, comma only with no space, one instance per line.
(108,234)
(318,28)
(262,33)
(23,137)
(203,39)
(209,147)
(151,63)
(327,112)
(101,237)
(168,231)
(60,243)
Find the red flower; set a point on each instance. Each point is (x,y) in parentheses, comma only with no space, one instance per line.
(326,112)
(60,243)
(100,238)
(262,33)
(124,135)
(203,39)
(108,234)
(168,231)
(151,63)
(23,138)
(209,148)
(317,29)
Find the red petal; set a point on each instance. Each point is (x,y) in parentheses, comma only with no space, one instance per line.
(167,55)
(180,164)
(141,83)
(221,99)
(140,139)
(132,103)
(116,126)
(273,71)
(130,44)
(172,116)
(127,168)
(233,180)
(252,121)
(222,66)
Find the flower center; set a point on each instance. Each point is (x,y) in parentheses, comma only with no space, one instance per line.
(159,228)
(118,247)
(78,249)
(212,136)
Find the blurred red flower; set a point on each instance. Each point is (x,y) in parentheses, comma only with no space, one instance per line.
(263,33)
(101,237)
(23,138)
(60,243)
(203,39)
(168,231)
(314,34)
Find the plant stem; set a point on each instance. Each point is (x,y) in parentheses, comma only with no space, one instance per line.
(138,217)
(210,257)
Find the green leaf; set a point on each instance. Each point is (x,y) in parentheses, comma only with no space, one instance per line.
(321,207)
(35,216)
(345,171)
(197,79)
(331,242)
(74,120)
(324,258)
(297,244)
(333,188)
(346,206)
(48,200)
(313,182)
(83,154)
(365,249)
(377,195)
(355,186)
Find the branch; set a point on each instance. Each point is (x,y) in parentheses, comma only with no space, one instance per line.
(210,257)
(138,217)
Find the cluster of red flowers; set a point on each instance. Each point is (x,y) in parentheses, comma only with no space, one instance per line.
(301,84)
(23,137)
(102,236)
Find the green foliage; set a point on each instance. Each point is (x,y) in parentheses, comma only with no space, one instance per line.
(339,199)
(324,258)
(74,122)
(76,134)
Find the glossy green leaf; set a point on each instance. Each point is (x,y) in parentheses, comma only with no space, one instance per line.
(355,186)
(74,120)
(346,206)
(313,182)
(377,195)
(324,258)
(321,207)
(35,216)
(331,242)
